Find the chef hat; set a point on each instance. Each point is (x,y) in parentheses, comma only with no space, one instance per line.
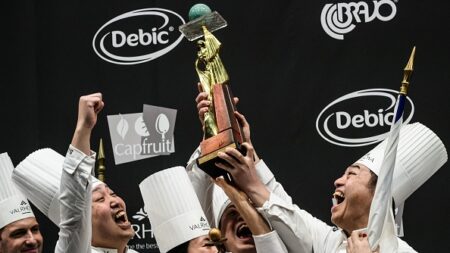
(14,205)
(39,176)
(173,208)
(420,153)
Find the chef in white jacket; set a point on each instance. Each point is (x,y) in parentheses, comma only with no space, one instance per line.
(73,179)
(420,154)
(90,216)
(19,230)
(298,229)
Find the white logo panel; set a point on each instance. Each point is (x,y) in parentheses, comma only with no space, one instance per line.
(339,18)
(127,39)
(333,119)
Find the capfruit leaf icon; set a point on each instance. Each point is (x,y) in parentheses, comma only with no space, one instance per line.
(122,127)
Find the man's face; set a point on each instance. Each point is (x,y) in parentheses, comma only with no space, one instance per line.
(197,245)
(110,225)
(353,197)
(22,236)
(239,237)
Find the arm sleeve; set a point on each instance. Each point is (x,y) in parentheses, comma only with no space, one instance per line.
(403,247)
(203,186)
(269,243)
(75,197)
(299,230)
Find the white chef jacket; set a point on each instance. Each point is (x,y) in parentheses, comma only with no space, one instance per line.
(105,250)
(269,243)
(75,228)
(289,238)
(75,205)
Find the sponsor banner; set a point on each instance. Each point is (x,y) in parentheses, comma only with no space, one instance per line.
(137,136)
(338,19)
(144,239)
(160,123)
(127,132)
(138,36)
(360,118)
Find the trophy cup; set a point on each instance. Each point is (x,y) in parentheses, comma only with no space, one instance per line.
(221,127)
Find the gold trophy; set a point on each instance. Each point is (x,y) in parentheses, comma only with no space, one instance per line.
(221,127)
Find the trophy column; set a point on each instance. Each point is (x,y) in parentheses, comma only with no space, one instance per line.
(222,129)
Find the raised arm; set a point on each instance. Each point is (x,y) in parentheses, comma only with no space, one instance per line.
(75,188)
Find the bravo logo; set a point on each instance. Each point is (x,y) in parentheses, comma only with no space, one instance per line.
(339,18)
(138,36)
(360,118)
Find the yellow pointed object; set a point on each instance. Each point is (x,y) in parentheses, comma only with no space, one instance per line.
(101,162)
(407,72)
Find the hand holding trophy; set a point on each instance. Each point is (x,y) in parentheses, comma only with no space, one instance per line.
(221,127)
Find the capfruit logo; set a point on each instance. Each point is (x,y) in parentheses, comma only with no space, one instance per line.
(138,36)
(360,118)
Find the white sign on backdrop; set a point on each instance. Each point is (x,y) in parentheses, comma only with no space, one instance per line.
(338,117)
(138,36)
(137,136)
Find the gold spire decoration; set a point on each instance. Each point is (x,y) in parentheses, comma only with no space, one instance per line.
(407,73)
(101,162)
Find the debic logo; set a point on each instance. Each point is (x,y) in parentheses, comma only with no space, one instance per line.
(339,18)
(360,118)
(138,36)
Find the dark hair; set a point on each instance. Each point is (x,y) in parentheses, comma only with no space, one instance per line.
(182,248)
(373,181)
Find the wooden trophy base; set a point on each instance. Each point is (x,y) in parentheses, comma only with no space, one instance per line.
(230,133)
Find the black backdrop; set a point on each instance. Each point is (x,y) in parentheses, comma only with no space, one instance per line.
(282,65)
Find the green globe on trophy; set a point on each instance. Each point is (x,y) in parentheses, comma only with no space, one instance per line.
(198,10)
(222,129)
(200,15)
